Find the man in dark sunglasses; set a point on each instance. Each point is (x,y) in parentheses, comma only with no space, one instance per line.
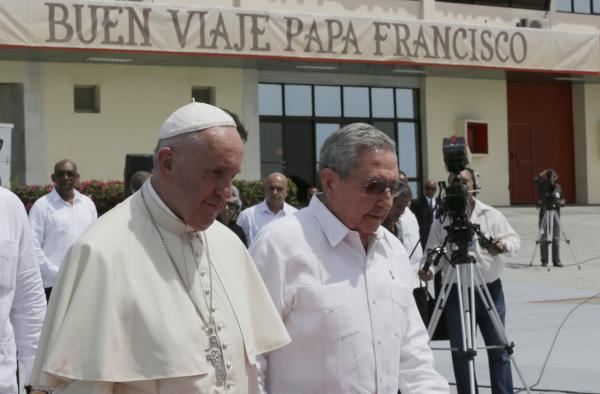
(342,283)
(58,219)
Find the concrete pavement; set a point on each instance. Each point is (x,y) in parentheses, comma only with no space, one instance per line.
(538,302)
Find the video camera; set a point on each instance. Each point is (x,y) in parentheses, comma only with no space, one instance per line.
(454,203)
(550,195)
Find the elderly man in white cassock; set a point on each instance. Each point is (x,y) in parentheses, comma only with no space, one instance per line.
(157,296)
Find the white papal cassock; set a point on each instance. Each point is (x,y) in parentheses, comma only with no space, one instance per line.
(120,320)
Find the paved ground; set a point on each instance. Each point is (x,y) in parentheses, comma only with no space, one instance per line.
(539,300)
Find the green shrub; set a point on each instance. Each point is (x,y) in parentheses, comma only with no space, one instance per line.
(104,194)
(108,194)
(251,192)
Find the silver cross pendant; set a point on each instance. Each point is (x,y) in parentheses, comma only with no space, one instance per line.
(214,355)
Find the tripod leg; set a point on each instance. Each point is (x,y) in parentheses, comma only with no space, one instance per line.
(493,330)
(538,239)
(441,301)
(466,348)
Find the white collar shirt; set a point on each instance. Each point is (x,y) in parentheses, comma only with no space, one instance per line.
(252,219)
(56,225)
(22,300)
(492,224)
(410,239)
(350,313)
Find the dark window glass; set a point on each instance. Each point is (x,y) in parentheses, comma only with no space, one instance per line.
(86,99)
(298,100)
(297,145)
(386,127)
(270,101)
(291,144)
(328,101)
(203,95)
(356,102)
(271,147)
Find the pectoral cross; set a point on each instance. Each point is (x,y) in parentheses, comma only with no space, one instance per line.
(214,355)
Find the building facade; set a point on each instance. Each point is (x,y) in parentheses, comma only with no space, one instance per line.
(93,80)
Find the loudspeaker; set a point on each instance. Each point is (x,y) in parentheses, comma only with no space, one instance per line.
(135,162)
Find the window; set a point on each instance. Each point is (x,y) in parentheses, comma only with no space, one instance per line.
(529,4)
(578,6)
(86,98)
(203,95)
(295,120)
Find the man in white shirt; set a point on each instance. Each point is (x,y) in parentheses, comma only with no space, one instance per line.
(252,219)
(22,302)
(403,223)
(342,283)
(157,297)
(492,224)
(58,219)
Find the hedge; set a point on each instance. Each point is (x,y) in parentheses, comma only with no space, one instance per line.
(107,194)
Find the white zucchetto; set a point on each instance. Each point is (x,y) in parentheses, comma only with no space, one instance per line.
(194,117)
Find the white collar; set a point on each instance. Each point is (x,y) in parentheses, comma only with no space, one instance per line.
(334,229)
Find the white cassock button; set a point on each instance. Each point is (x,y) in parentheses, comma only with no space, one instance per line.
(228,365)
(207,292)
(224,346)
(229,385)
(202,273)
(374,302)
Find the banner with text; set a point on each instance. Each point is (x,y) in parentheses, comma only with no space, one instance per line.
(128,26)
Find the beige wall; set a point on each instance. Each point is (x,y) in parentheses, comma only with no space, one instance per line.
(446,103)
(586,129)
(135,100)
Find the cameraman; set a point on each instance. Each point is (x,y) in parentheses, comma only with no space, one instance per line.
(492,224)
(551,199)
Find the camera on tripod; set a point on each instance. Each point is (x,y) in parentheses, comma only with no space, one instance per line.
(550,195)
(454,204)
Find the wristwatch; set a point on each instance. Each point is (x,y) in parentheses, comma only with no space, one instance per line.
(45,389)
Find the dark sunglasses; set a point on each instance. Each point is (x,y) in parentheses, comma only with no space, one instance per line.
(70,174)
(1,143)
(377,187)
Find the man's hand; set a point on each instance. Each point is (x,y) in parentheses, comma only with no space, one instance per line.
(497,248)
(425,275)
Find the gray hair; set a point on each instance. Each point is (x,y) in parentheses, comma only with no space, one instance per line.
(340,149)
(235,197)
(177,143)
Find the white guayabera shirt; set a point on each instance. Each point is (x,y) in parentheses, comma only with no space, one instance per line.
(492,223)
(351,315)
(22,299)
(56,225)
(252,219)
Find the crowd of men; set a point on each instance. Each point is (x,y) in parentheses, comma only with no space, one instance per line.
(162,295)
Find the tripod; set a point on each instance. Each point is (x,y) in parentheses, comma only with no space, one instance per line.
(550,218)
(468,277)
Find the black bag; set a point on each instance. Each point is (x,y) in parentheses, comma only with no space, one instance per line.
(441,332)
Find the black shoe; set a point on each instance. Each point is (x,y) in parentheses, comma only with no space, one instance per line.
(544,263)
(557,264)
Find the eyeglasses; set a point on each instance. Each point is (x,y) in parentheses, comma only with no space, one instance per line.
(377,187)
(232,206)
(70,174)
